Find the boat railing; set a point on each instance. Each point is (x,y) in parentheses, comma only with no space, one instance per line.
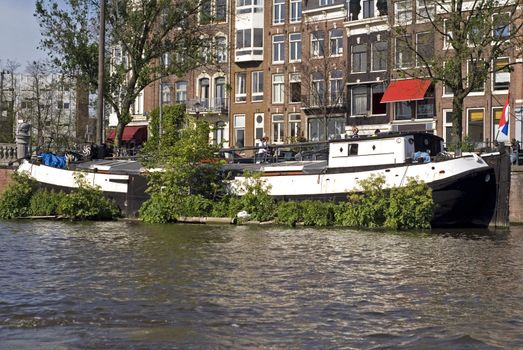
(276,153)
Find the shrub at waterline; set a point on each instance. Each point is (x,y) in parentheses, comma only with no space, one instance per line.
(23,198)
(15,200)
(406,207)
(46,203)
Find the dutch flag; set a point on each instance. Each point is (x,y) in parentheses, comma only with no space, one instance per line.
(503,121)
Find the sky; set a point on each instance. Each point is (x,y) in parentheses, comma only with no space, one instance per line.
(19,32)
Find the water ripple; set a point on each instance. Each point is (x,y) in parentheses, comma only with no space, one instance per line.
(124,285)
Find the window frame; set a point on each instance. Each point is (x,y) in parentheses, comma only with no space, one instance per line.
(295,47)
(278,89)
(278,49)
(257,86)
(240,88)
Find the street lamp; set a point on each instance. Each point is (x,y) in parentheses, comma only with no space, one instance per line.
(197,106)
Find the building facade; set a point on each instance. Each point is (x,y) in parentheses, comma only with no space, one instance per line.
(296,70)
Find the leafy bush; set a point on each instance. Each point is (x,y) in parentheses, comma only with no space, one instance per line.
(317,213)
(410,207)
(289,213)
(16,199)
(44,203)
(196,205)
(407,207)
(158,209)
(88,203)
(256,199)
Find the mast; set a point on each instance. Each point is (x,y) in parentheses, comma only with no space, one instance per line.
(101,59)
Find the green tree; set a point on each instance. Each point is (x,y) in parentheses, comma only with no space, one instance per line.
(159,147)
(474,35)
(188,170)
(149,39)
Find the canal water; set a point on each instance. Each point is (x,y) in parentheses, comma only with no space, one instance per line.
(126,285)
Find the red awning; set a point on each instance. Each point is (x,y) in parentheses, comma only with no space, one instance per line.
(136,133)
(406,90)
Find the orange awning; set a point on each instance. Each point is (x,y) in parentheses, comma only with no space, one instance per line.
(406,90)
(137,133)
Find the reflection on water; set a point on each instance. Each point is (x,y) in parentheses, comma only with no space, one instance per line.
(126,285)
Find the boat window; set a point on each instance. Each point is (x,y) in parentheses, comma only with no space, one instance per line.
(353,149)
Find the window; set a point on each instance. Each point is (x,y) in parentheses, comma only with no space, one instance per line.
(326,2)
(336,42)
(221,10)
(403,110)
(450,139)
(257,86)
(336,87)
(278,48)
(404,54)
(204,92)
(425,107)
(335,128)
(247,40)
(239,130)
(496,135)
(205,11)
(278,128)
(278,12)
(318,89)
(359,100)
(501,25)
(447,37)
(221,49)
(368,8)
(295,47)
(219,133)
(422,109)
(317,44)
(473,75)
(475,32)
(475,123)
(501,74)
(379,56)
(447,90)
(424,47)
(377,94)
(241,92)
(359,58)
(295,87)
(277,88)
(403,11)
(181,91)
(295,127)
(426,10)
(296,8)
(219,92)
(243,38)
(354,10)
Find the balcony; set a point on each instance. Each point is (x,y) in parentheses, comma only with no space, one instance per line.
(217,105)
(314,103)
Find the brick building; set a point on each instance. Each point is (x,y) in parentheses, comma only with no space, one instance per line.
(294,69)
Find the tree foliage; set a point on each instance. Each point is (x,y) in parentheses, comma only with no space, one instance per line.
(141,34)
(188,169)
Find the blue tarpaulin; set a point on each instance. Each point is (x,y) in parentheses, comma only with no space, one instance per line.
(53,160)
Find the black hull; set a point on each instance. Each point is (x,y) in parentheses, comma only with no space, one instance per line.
(465,201)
